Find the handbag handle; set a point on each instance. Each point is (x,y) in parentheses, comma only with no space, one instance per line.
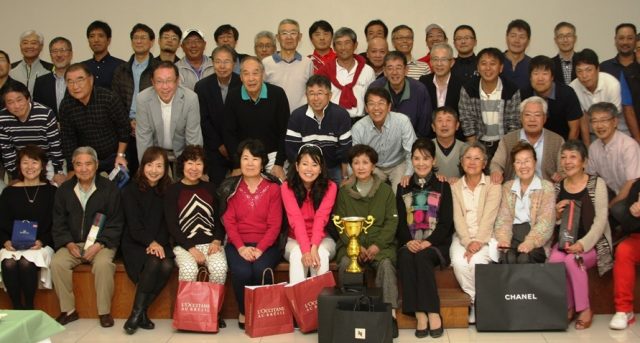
(273,279)
(202,271)
(364,300)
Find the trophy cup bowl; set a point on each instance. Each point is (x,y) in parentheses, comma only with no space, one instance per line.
(352,227)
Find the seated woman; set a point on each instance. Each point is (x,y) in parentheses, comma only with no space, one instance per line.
(193,222)
(475,206)
(31,199)
(527,211)
(364,194)
(146,251)
(252,216)
(593,239)
(308,196)
(425,227)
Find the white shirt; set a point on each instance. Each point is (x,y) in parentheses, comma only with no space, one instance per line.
(608,89)
(344,76)
(166,124)
(471,200)
(538,147)
(523,201)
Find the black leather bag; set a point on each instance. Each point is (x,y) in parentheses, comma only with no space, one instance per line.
(362,320)
(328,302)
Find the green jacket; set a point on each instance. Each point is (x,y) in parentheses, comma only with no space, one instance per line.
(381,204)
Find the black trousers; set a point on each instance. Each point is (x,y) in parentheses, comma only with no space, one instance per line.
(513,256)
(419,289)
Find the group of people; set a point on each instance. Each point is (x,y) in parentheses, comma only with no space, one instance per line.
(453,156)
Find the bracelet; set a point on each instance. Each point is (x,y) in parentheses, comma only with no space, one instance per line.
(120,154)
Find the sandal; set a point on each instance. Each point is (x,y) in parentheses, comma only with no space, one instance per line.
(584,324)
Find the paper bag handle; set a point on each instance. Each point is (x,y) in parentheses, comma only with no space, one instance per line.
(273,279)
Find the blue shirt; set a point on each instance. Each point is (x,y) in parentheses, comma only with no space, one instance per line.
(103,70)
(519,76)
(136,69)
(245,95)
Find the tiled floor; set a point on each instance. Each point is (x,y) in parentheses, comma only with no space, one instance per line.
(88,330)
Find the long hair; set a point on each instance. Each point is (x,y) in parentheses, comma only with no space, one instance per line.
(150,155)
(320,185)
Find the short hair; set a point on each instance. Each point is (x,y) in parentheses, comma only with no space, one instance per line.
(375,22)
(534,100)
(28,33)
(76,67)
(363,149)
(227,49)
(99,25)
(491,52)
(226,28)
(266,34)
(251,58)
(87,150)
(424,145)
(472,145)
(395,55)
(541,62)
(627,25)
(171,27)
(444,46)
(288,21)
(322,25)
(61,39)
(401,27)
(378,91)
(435,26)
(142,27)
(255,148)
(576,145)
(345,32)
(6,56)
(586,56)
(520,147)
(318,80)
(17,87)
(446,109)
(151,154)
(191,153)
(165,65)
(520,24)
(564,24)
(464,27)
(605,107)
(33,152)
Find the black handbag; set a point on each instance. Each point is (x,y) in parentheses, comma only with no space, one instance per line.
(521,297)
(362,320)
(568,232)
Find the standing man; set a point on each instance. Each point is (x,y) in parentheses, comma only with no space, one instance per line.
(564,62)
(30,67)
(194,66)
(377,48)
(376,28)
(228,35)
(516,61)
(102,65)
(5,79)
(434,35)
(402,38)
(443,87)
(321,35)
(169,42)
(287,68)
(49,89)
(464,40)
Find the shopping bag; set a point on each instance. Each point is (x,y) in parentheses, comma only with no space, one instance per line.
(198,304)
(521,297)
(362,320)
(328,302)
(267,310)
(24,234)
(303,299)
(568,233)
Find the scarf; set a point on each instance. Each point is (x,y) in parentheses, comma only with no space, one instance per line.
(347,98)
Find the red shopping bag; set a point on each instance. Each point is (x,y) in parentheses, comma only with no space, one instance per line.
(266,309)
(197,305)
(303,299)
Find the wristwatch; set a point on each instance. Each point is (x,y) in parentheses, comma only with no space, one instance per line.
(120,154)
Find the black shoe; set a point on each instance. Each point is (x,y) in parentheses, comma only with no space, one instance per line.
(221,323)
(422,333)
(131,325)
(435,333)
(394,327)
(65,318)
(241,325)
(106,320)
(145,322)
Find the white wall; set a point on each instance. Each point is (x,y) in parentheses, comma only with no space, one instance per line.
(594,19)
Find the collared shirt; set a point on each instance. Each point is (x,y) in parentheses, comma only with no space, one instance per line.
(441,93)
(103,70)
(61,88)
(320,60)
(83,196)
(224,90)
(471,200)
(567,68)
(538,147)
(245,95)
(392,142)
(291,76)
(616,162)
(491,113)
(608,90)
(165,108)
(344,77)
(523,201)
(417,68)
(137,68)
(519,75)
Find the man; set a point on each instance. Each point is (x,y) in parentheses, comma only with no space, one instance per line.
(489,103)
(228,35)
(49,89)
(448,148)
(443,87)
(212,93)
(169,41)
(102,65)
(592,86)
(131,78)
(194,65)
(321,34)
(614,156)
(546,143)
(168,114)
(408,96)
(376,28)
(287,68)
(516,61)
(83,204)
(30,67)
(377,48)
(402,38)
(93,116)
(350,75)
(464,39)
(5,79)
(390,134)
(434,35)
(257,110)
(564,63)
(637,50)
(324,124)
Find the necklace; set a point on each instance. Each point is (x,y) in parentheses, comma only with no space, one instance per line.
(34,196)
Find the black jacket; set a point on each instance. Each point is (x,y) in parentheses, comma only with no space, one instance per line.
(44,91)
(453,90)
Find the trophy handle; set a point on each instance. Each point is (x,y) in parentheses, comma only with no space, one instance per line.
(338,223)
(368,222)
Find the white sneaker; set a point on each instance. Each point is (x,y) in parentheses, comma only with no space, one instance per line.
(472,314)
(621,320)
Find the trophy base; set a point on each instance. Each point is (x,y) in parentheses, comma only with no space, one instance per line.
(352,280)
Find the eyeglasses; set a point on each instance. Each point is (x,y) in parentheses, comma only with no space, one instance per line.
(59,51)
(289,33)
(437,60)
(222,62)
(377,104)
(140,37)
(79,81)
(264,46)
(473,159)
(319,94)
(600,121)
(523,162)
(392,69)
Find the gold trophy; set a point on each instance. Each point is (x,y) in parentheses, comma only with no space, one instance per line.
(353,226)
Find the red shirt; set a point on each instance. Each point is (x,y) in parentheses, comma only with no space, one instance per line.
(320,61)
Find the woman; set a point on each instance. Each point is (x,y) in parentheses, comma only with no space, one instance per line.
(308,196)
(425,227)
(252,216)
(194,223)
(527,211)
(147,254)
(475,206)
(593,240)
(30,199)
(264,44)
(365,194)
